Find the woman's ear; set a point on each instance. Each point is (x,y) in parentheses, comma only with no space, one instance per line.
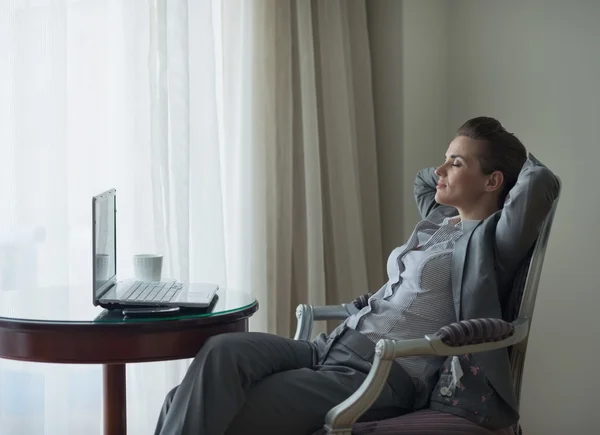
(495,181)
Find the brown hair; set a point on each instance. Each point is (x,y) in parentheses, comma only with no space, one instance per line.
(503,152)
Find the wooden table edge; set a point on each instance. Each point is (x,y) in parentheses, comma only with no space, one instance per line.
(70,343)
(114,343)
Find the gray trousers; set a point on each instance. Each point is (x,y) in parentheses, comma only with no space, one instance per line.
(256,383)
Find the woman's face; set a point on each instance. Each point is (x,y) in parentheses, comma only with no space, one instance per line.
(461,183)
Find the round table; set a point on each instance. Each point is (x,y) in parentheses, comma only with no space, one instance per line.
(56,325)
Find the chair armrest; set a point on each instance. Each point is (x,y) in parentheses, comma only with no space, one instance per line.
(307,314)
(362,301)
(470,336)
(475,331)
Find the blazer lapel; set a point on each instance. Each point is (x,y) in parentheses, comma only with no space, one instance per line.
(458,263)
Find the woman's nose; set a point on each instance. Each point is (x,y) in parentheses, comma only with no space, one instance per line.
(439,171)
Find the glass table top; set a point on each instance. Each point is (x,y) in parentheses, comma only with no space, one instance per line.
(74,304)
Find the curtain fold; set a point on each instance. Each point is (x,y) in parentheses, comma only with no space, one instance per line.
(314,125)
(240,138)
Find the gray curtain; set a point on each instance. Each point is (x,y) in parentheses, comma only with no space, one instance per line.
(313,136)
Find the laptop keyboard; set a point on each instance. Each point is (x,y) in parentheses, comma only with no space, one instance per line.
(142,291)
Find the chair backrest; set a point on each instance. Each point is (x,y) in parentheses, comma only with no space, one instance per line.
(523,295)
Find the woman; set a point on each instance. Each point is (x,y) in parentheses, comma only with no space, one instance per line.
(458,264)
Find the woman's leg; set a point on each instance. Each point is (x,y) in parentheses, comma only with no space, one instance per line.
(296,402)
(214,388)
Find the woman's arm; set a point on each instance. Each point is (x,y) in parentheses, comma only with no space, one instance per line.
(424,191)
(525,209)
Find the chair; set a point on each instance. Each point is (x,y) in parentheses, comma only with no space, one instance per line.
(465,337)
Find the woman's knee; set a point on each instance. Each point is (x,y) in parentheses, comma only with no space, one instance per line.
(220,342)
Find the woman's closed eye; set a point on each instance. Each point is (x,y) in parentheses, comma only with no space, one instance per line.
(453,160)
(454,163)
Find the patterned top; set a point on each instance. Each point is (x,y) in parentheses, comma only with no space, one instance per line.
(416,300)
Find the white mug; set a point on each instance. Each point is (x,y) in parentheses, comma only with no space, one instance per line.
(102,267)
(147,267)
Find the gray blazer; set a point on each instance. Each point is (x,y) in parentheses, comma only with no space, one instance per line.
(486,258)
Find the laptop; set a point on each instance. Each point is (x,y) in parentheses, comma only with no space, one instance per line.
(110,293)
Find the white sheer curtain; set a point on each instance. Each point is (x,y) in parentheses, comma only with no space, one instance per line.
(129,94)
(239,135)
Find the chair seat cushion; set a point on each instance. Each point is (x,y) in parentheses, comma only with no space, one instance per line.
(425,422)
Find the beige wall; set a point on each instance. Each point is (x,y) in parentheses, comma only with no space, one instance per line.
(536,66)
(385,36)
(410,88)
(425,93)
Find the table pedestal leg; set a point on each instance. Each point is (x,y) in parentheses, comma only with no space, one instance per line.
(115,402)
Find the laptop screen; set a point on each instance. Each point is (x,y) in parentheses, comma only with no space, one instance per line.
(104,241)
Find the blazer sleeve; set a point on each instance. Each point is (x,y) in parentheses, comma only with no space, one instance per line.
(424,191)
(527,205)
